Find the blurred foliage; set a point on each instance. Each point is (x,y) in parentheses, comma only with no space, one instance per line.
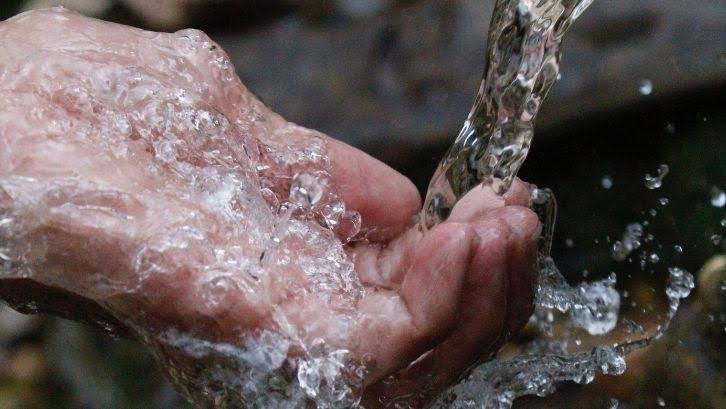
(61,364)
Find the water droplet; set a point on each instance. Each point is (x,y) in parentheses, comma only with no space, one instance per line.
(718,197)
(332,213)
(350,225)
(596,311)
(606,182)
(670,127)
(613,403)
(678,248)
(629,242)
(661,402)
(680,283)
(663,201)
(645,87)
(723,222)
(716,239)
(654,258)
(655,182)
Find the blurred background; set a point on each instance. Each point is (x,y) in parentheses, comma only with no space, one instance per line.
(643,84)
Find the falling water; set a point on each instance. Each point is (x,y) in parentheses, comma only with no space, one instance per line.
(524,51)
(522,65)
(279,366)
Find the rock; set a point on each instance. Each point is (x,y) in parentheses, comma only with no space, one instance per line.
(407,78)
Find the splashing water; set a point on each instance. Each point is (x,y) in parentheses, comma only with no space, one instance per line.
(276,366)
(522,65)
(591,306)
(630,241)
(655,182)
(226,203)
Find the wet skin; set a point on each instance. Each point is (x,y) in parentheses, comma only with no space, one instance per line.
(453,294)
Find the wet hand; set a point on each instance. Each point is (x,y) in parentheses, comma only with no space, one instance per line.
(139,175)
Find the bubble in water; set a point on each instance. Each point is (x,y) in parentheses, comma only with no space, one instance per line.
(306,189)
(332,214)
(716,239)
(350,225)
(322,376)
(663,201)
(606,182)
(569,242)
(655,182)
(630,241)
(661,402)
(678,248)
(718,197)
(654,258)
(680,283)
(613,403)
(645,87)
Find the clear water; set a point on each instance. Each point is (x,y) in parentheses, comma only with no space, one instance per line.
(259,182)
(522,64)
(523,60)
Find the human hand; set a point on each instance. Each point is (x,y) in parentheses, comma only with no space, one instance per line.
(142,181)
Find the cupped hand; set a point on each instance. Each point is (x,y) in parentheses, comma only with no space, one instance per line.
(142,184)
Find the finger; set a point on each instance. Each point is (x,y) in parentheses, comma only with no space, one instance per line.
(494,301)
(384,265)
(482,198)
(519,193)
(481,321)
(475,203)
(526,230)
(386,200)
(404,324)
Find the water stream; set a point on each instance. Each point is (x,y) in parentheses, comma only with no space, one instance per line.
(523,57)
(266,183)
(522,64)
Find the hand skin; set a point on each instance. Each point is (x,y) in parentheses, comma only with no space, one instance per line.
(434,305)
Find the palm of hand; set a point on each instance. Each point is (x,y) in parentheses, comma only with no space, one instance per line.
(138,172)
